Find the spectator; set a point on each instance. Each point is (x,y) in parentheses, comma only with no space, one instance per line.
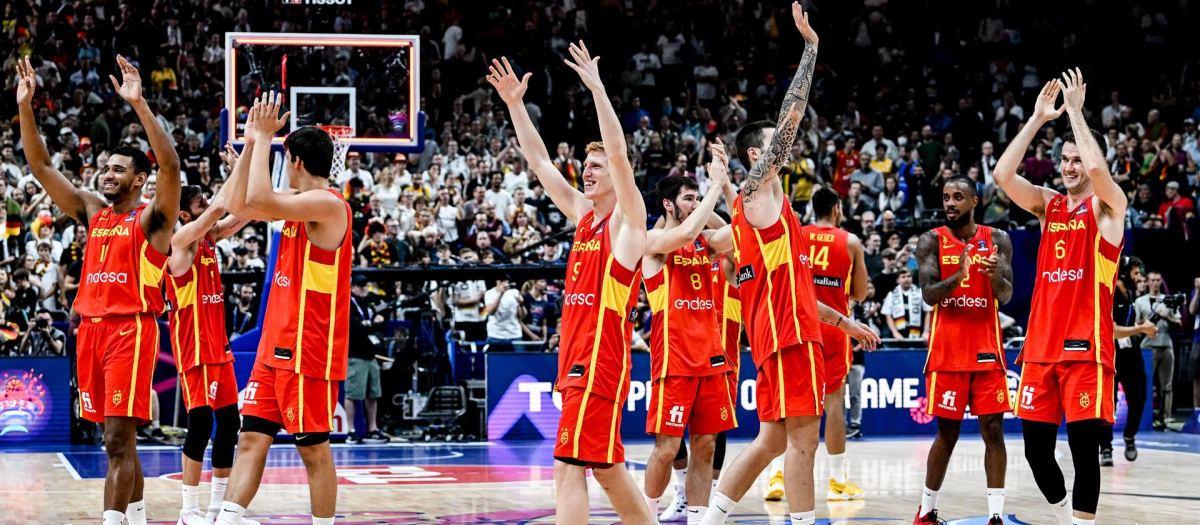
(1177,208)
(904,310)
(1150,307)
(42,338)
(848,161)
(871,180)
(504,316)
(242,317)
(467,299)
(362,368)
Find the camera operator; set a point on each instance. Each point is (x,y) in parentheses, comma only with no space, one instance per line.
(1162,310)
(43,339)
(1131,368)
(1194,369)
(362,371)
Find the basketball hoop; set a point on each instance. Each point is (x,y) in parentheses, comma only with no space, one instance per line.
(340,146)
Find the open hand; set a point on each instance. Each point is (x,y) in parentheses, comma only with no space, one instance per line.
(505,81)
(718,169)
(1075,90)
(989,265)
(964,261)
(802,24)
(26,81)
(230,157)
(267,120)
(863,333)
(1044,109)
(130,86)
(585,65)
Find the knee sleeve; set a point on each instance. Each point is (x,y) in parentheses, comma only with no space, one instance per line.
(1039,451)
(200,427)
(225,439)
(308,439)
(719,452)
(260,425)
(1083,437)
(683,453)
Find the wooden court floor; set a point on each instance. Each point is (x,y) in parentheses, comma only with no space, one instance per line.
(512,483)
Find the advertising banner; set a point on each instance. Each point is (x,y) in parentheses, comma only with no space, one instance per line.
(35,400)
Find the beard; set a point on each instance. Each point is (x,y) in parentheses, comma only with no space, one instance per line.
(962,220)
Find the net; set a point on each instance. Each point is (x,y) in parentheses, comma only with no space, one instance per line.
(340,147)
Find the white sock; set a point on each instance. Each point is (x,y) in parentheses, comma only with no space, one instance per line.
(837,468)
(1062,511)
(231,514)
(714,489)
(154,424)
(1081,521)
(680,478)
(777,465)
(323,521)
(928,501)
(718,510)
(136,512)
(218,494)
(652,503)
(114,517)
(191,497)
(695,514)
(804,518)
(995,501)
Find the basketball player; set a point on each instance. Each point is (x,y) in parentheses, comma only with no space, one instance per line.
(197,308)
(966,274)
(304,347)
(1068,359)
(839,274)
(688,363)
(120,293)
(602,287)
(780,309)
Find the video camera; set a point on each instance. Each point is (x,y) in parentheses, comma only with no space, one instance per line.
(1174,302)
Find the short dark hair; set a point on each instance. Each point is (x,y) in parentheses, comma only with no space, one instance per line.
(314,147)
(750,136)
(22,274)
(1070,137)
(965,181)
(141,163)
(824,201)
(670,188)
(189,193)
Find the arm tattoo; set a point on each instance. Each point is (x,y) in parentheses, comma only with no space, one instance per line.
(794,105)
(929,271)
(1003,278)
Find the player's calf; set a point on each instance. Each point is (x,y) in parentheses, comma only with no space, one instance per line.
(322,476)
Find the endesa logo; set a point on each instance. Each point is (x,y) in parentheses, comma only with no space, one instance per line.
(579,299)
(215,298)
(965,302)
(107,277)
(1063,276)
(693,304)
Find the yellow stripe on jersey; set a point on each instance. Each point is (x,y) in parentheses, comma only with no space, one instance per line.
(333,301)
(657,297)
(148,274)
(615,295)
(666,324)
(932,393)
(770,294)
(320,277)
(304,276)
(606,289)
(733,309)
(777,252)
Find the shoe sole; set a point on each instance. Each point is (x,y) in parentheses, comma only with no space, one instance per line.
(774,495)
(841,496)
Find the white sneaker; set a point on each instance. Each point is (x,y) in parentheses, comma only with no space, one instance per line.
(677,510)
(192,517)
(211,518)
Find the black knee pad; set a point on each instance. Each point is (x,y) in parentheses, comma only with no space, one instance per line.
(308,439)
(225,439)
(260,425)
(719,452)
(1084,437)
(683,453)
(200,427)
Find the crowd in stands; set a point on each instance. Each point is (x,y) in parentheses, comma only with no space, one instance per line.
(901,100)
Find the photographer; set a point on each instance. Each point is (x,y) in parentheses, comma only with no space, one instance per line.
(362,371)
(504,312)
(1131,368)
(42,339)
(1163,311)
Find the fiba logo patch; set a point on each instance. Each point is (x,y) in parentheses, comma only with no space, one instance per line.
(117,397)
(1084,400)
(564,437)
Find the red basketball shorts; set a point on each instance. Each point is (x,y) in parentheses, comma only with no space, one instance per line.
(948,394)
(1079,390)
(704,404)
(301,404)
(589,431)
(791,383)
(209,385)
(115,358)
(836,348)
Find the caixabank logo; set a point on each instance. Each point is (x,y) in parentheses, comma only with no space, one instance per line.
(24,404)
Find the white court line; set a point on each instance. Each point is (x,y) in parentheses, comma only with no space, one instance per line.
(67,465)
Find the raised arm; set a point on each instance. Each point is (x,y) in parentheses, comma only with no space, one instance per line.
(766,169)
(78,204)
(929,270)
(512,92)
(164,207)
(998,267)
(629,197)
(183,241)
(1032,199)
(660,241)
(1094,164)
(231,224)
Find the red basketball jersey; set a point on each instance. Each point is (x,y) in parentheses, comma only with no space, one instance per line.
(729,314)
(306,327)
(598,304)
(964,335)
(832,266)
(775,283)
(1070,318)
(684,337)
(197,302)
(122,272)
